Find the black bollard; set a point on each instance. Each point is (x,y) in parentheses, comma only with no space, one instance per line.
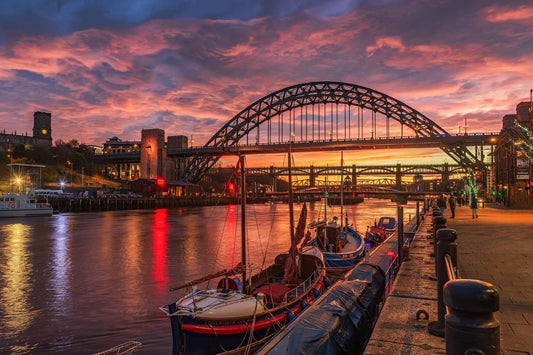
(470,324)
(417,215)
(447,244)
(439,222)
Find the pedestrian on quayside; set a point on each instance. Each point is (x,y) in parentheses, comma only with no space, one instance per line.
(441,203)
(473,206)
(451,202)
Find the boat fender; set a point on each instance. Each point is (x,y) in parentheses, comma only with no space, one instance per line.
(326,282)
(304,304)
(290,316)
(316,292)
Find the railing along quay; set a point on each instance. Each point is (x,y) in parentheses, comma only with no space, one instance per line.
(465,307)
(426,289)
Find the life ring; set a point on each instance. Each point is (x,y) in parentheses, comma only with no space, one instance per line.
(12,205)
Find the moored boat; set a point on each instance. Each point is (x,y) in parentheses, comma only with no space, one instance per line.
(19,205)
(377,233)
(237,315)
(342,246)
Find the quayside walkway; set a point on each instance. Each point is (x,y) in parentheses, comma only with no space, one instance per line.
(497,248)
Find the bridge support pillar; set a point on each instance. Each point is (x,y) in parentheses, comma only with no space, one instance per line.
(274,180)
(312,176)
(354,176)
(446,178)
(398,177)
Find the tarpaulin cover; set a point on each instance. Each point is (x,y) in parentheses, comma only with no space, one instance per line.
(342,321)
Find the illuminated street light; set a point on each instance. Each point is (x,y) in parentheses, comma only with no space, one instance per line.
(71,182)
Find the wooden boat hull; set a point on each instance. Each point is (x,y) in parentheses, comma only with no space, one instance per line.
(346,258)
(197,335)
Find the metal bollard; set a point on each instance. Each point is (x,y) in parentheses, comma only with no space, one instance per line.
(439,222)
(447,244)
(470,324)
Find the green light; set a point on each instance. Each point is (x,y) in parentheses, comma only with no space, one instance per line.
(327,194)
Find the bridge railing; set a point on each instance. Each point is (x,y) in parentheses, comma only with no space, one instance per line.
(352,139)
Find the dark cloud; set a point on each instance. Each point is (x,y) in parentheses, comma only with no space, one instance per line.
(189,66)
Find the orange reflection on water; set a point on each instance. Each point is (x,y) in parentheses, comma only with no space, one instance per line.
(159,239)
(16,270)
(231,247)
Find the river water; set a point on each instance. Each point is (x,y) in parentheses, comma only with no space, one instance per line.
(85,282)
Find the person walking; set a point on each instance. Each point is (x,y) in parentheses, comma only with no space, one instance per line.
(451,202)
(473,206)
(441,203)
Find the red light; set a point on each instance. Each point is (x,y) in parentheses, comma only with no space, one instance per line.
(231,187)
(391,254)
(160,182)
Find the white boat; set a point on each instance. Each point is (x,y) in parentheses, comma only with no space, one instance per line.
(18,205)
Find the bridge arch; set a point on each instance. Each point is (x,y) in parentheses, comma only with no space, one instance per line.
(303,95)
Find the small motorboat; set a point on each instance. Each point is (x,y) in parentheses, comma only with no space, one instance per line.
(19,205)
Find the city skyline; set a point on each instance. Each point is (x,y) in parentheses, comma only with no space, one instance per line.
(111,69)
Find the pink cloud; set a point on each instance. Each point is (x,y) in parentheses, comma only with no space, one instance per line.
(522,13)
(386,42)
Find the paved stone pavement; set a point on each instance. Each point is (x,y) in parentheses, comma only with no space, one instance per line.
(497,247)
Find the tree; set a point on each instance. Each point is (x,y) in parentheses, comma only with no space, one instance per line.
(19,151)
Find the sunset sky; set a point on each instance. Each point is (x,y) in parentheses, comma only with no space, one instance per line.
(112,68)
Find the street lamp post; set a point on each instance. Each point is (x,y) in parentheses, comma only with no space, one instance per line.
(71,182)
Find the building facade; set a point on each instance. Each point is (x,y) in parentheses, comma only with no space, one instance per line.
(41,135)
(122,159)
(513,158)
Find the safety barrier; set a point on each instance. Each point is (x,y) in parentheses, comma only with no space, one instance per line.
(465,307)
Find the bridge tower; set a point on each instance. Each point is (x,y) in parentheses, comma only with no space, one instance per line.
(153,153)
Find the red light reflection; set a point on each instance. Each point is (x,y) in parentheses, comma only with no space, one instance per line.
(159,238)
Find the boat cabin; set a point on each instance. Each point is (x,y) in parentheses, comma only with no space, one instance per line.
(328,237)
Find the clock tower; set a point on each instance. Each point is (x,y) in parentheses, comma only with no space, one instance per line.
(42,125)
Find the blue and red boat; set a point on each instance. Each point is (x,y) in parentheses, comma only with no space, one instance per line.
(341,246)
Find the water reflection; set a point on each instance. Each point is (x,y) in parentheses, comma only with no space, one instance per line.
(61,265)
(113,269)
(16,274)
(159,245)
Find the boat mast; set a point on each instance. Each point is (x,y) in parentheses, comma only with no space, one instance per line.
(243,223)
(342,188)
(291,212)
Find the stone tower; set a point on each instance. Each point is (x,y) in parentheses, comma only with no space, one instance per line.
(42,125)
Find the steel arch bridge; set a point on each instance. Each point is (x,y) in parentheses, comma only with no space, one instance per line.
(270,114)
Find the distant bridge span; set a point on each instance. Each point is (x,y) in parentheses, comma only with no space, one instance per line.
(280,117)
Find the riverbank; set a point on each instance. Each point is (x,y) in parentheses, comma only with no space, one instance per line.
(134,203)
(496,247)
